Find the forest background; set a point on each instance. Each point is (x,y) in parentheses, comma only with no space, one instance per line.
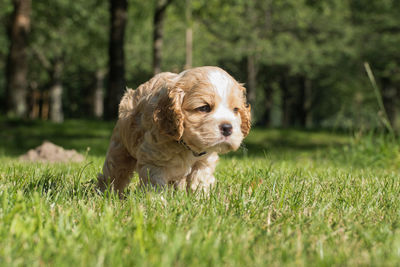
(304,62)
(319,187)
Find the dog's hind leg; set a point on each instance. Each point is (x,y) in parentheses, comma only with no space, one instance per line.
(117,169)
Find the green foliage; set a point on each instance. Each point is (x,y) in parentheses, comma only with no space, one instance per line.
(138,46)
(294,198)
(5,13)
(324,43)
(75,33)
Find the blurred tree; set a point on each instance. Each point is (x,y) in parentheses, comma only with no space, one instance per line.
(309,39)
(5,20)
(98,94)
(116,79)
(17,65)
(139,42)
(378,24)
(189,35)
(88,63)
(158,24)
(301,60)
(68,49)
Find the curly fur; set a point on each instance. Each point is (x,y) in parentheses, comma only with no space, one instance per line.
(165,110)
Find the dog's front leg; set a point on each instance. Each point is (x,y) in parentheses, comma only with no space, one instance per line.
(202,175)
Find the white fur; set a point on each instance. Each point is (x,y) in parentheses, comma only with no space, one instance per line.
(224,114)
(223,86)
(221,82)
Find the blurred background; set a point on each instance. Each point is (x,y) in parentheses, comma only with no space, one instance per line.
(305,63)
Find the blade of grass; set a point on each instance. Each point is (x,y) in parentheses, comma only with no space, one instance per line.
(385,119)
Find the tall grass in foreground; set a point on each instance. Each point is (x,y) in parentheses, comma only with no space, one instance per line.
(297,198)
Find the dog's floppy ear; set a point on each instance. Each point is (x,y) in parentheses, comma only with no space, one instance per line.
(168,112)
(245,114)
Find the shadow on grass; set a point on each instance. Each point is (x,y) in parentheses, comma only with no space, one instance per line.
(282,142)
(18,136)
(53,184)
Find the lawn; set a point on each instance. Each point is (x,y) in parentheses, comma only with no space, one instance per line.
(288,197)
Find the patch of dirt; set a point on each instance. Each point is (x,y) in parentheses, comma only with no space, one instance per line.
(49,152)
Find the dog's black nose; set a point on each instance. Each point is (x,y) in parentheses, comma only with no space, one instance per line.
(226,129)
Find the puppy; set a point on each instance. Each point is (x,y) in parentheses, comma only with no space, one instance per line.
(171,129)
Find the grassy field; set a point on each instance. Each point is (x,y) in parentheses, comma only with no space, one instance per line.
(288,197)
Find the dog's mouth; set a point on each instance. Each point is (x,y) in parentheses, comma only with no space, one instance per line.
(224,145)
(221,144)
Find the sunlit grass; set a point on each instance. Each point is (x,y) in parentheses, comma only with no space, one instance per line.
(288,197)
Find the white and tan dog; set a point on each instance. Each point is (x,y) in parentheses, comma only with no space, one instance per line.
(171,129)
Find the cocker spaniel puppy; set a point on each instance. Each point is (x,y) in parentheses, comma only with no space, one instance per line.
(171,129)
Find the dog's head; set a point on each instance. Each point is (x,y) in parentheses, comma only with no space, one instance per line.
(206,108)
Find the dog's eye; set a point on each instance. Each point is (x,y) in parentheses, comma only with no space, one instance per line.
(205,108)
(236,110)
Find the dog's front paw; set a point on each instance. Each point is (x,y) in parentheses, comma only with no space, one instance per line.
(203,183)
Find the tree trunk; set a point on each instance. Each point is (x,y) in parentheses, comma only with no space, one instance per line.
(55,93)
(56,112)
(45,106)
(267,120)
(307,105)
(251,79)
(158,33)
(285,102)
(17,65)
(116,82)
(98,94)
(189,35)
(35,101)
(389,97)
(304,105)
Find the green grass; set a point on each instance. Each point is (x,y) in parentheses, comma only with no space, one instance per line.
(289,197)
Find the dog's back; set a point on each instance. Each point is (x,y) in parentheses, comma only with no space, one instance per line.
(132,97)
